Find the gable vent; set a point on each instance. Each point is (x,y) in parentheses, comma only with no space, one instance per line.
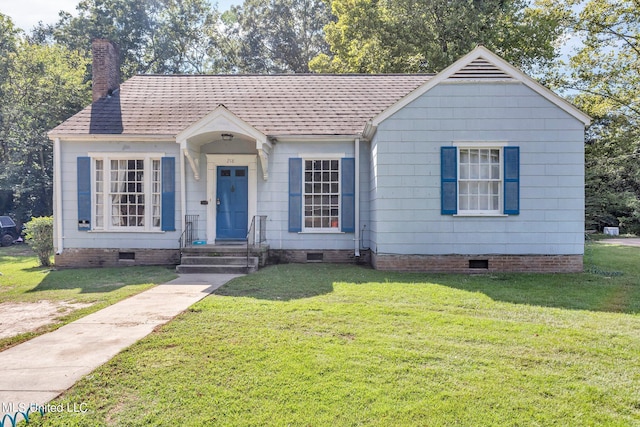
(480,69)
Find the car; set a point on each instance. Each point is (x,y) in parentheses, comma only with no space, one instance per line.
(8,231)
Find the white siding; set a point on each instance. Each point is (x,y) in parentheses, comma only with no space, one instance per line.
(73,238)
(273,199)
(405,167)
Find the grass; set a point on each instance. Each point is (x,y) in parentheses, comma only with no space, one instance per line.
(22,280)
(339,345)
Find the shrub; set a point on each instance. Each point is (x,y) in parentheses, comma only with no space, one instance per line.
(39,233)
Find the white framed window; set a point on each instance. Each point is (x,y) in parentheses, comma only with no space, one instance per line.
(480,180)
(127,192)
(321,194)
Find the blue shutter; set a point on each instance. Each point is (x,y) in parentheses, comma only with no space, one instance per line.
(295,194)
(168,171)
(448,180)
(511,180)
(348,190)
(84,193)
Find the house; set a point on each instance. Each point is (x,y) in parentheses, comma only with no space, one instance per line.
(476,167)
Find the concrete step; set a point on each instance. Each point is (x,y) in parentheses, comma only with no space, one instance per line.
(215,269)
(216,251)
(218,260)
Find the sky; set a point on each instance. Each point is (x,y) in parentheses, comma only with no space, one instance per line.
(26,14)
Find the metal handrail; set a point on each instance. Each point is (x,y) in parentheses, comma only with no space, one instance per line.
(187,232)
(261,233)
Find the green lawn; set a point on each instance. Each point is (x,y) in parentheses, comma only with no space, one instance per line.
(317,345)
(22,280)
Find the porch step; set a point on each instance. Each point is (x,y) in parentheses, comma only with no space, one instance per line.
(218,260)
(229,259)
(216,251)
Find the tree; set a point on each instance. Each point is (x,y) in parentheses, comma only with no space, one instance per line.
(40,87)
(153,36)
(382,36)
(603,76)
(278,36)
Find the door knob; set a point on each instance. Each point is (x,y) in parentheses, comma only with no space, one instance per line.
(218,201)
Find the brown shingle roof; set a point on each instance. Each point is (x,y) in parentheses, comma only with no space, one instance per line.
(294,104)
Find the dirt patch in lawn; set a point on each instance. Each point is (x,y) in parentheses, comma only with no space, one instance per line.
(20,317)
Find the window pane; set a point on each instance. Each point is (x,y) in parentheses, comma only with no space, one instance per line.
(474,171)
(479,181)
(127,192)
(464,188)
(483,202)
(495,203)
(474,156)
(464,171)
(495,172)
(321,186)
(464,156)
(485,171)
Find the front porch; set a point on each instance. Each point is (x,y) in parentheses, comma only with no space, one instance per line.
(223,159)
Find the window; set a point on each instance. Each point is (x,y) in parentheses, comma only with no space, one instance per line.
(321,194)
(127,193)
(480,180)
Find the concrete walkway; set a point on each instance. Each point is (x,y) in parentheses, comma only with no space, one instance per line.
(37,371)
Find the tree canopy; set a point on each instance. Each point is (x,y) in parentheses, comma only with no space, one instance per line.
(382,36)
(40,86)
(153,36)
(277,36)
(602,76)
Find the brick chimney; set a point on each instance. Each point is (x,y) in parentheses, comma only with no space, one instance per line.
(105,68)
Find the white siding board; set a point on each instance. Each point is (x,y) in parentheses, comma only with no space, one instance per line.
(73,238)
(551,180)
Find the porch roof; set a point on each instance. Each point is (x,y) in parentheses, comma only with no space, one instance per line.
(292,104)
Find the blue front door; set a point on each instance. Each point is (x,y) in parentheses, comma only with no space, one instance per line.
(232,203)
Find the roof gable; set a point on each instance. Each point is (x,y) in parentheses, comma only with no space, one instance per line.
(481,65)
(220,120)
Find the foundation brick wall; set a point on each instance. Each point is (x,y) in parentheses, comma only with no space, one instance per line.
(496,263)
(283,256)
(81,258)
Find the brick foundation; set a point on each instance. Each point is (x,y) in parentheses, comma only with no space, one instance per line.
(495,263)
(75,258)
(283,256)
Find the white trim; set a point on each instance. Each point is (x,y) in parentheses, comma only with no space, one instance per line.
(480,214)
(480,144)
(313,138)
(136,230)
(356,195)
(321,156)
(57,195)
(106,157)
(126,155)
(111,137)
(480,52)
(215,160)
(221,120)
(183,194)
(321,231)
